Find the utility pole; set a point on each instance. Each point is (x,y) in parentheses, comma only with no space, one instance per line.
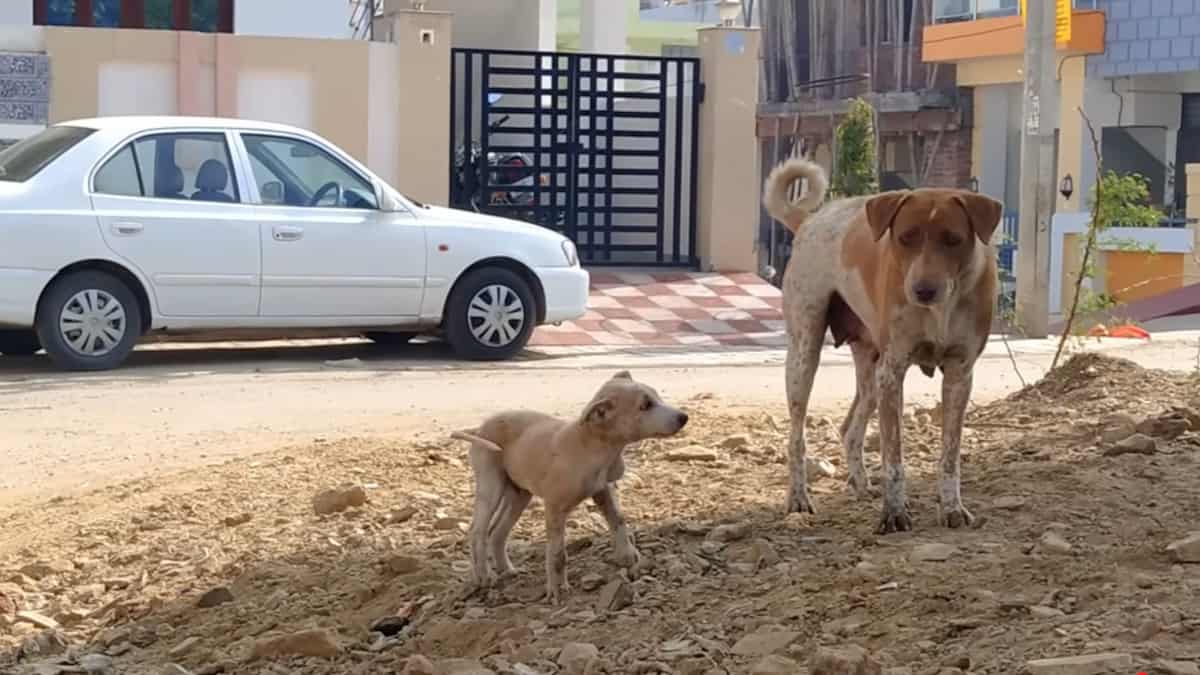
(1037,170)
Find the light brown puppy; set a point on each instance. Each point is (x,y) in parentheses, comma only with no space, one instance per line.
(516,455)
(906,277)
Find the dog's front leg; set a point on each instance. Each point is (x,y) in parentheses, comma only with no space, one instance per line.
(956,392)
(889,386)
(624,552)
(556,555)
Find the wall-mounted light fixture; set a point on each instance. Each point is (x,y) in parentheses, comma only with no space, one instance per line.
(1067,187)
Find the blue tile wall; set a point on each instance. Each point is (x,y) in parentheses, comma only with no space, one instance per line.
(1148,36)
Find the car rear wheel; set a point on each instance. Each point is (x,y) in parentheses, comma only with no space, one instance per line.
(384,339)
(89,320)
(490,315)
(19,342)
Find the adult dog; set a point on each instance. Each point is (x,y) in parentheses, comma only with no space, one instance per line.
(905,277)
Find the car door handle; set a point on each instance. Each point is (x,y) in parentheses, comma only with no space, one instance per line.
(287,233)
(127,229)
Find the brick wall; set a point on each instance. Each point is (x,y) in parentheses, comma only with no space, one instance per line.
(1149,36)
(952,163)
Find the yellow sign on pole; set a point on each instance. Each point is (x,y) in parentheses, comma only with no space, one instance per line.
(1062,19)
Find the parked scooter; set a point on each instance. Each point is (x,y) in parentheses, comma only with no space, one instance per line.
(504,169)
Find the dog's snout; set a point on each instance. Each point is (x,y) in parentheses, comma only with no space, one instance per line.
(683,419)
(925,292)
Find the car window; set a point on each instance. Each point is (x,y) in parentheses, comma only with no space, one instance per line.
(192,166)
(298,173)
(23,160)
(119,175)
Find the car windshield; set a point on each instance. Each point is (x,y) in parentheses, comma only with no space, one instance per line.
(22,161)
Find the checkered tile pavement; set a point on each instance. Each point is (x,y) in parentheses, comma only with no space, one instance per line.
(673,309)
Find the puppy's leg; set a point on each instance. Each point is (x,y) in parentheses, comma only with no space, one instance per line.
(889,375)
(515,502)
(624,552)
(854,429)
(556,554)
(956,391)
(489,489)
(803,357)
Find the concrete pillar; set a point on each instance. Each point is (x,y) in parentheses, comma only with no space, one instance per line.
(422,121)
(729,183)
(1191,263)
(603,26)
(1073,137)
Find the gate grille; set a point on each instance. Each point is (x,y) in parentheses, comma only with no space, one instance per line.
(600,147)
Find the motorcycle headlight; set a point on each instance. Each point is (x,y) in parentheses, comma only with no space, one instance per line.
(568,249)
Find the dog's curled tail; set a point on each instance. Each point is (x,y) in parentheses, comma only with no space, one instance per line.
(793,213)
(472,436)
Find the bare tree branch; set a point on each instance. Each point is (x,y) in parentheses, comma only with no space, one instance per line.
(1089,246)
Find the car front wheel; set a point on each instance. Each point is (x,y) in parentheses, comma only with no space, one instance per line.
(19,343)
(89,320)
(490,315)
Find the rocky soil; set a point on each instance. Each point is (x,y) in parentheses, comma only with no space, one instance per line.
(1085,557)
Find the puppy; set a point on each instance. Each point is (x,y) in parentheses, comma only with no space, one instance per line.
(516,455)
(906,278)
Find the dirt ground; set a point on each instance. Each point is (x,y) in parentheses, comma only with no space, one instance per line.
(1078,484)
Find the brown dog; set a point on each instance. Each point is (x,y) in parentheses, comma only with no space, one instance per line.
(905,277)
(516,455)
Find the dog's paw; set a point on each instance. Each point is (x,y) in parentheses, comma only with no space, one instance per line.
(627,556)
(956,518)
(860,486)
(798,501)
(895,519)
(557,595)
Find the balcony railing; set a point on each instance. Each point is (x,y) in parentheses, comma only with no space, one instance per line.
(949,11)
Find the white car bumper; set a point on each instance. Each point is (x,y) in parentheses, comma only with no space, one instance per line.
(19,293)
(566,290)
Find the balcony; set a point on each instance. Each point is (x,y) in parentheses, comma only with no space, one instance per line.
(973,29)
(952,11)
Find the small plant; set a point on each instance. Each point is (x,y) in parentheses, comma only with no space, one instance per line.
(1124,202)
(854,165)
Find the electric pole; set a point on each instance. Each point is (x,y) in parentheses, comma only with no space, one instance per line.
(1037,170)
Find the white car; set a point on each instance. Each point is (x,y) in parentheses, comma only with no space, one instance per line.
(114,227)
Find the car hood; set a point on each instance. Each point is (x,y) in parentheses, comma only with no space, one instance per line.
(471,219)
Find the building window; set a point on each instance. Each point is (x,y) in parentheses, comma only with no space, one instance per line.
(205,16)
(58,12)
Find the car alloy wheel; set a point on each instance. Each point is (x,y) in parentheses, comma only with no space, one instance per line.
(92,322)
(496,315)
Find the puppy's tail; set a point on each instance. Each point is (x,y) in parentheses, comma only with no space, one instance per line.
(472,436)
(793,213)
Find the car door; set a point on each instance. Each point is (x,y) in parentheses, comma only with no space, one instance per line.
(169,204)
(328,249)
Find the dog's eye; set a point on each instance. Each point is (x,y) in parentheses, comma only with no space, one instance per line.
(951,240)
(647,404)
(908,239)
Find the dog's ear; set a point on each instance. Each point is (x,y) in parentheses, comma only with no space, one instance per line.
(599,411)
(983,213)
(623,375)
(882,209)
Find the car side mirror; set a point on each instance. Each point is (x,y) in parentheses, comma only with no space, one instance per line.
(272,192)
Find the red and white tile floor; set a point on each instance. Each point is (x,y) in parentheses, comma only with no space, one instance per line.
(673,309)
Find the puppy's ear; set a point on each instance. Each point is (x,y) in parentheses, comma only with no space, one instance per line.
(983,213)
(623,375)
(599,411)
(882,209)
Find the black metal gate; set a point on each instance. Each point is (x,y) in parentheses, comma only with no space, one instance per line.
(601,147)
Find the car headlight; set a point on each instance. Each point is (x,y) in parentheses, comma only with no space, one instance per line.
(572,255)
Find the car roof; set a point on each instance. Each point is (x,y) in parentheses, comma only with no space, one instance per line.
(134,123)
